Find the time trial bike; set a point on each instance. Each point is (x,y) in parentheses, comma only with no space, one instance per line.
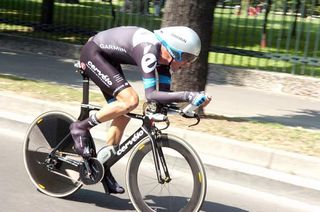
(163,171)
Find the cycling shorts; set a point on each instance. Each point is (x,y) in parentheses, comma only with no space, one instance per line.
(105,73)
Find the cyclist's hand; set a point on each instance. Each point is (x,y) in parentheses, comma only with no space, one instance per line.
(207,101)
(199,99)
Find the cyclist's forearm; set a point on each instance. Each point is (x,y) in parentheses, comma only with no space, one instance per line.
(167,97)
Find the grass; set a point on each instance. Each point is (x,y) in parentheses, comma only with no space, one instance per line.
(230,30)
(267,134)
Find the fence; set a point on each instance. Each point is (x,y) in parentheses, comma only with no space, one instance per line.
(269,35)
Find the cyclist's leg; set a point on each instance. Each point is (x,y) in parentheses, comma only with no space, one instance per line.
(127,100)
(116,130)
(118,124)
(107,77)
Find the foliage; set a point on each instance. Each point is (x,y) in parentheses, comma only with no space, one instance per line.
(76,22)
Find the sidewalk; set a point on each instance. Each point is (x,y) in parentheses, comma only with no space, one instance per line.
(252,166)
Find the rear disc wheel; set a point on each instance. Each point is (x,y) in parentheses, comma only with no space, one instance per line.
(50,175)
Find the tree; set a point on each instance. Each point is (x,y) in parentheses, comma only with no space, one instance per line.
(47,12)
(198,15)
(264,27)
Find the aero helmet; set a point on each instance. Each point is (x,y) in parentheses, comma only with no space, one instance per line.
(182,43)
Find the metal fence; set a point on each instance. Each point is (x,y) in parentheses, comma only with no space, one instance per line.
(270,35)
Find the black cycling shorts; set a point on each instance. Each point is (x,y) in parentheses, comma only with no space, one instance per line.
(105,73)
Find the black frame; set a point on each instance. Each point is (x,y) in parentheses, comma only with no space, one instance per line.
(147,129)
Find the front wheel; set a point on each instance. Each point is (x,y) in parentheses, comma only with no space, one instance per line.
(187,189)
(51,176)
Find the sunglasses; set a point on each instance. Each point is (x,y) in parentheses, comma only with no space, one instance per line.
(179,56)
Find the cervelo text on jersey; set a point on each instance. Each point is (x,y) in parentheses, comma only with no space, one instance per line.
(96,71)
(135,137)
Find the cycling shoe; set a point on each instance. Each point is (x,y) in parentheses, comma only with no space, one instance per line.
(81,138)
(110,185)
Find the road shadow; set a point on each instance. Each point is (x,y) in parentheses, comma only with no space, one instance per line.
(216,207)
(308,119)
(114,202)
(100,199)
(162,203)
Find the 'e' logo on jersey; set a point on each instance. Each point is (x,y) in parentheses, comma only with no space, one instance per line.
(148,62)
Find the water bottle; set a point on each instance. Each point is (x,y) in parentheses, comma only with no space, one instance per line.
(105,153)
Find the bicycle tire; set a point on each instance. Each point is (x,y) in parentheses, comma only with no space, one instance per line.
(43,135)
(182,162)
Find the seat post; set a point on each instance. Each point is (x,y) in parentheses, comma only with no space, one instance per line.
(85,89)
(84,112)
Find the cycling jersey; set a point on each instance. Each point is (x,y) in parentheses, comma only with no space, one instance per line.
(102,56)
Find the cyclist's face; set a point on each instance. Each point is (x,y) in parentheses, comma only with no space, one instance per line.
(175,65)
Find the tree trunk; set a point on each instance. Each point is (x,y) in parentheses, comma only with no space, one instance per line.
(294,27)
(47,12)
(198,15)
(263,42)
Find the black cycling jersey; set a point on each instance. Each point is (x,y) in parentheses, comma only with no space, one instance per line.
(104,53)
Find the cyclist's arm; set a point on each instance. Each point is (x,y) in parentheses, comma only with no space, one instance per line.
(152,94)
(146,56)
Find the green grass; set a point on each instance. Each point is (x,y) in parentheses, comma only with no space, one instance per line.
(88,15)
(263,64)
(230,30)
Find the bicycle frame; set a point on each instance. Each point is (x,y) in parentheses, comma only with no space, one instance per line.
(147,129)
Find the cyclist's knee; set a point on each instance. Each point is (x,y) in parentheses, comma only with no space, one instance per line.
(129,98)
(132,102)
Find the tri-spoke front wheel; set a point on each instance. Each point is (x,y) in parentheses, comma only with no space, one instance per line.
(187,188)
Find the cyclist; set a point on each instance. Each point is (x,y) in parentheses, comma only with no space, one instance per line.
(165,49)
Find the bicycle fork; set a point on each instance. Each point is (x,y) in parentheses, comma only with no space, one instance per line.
(158,154)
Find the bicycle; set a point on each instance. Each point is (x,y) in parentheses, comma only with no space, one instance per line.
(159,165)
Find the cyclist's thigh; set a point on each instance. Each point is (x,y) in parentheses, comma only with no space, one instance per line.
(108,76)
(109,98)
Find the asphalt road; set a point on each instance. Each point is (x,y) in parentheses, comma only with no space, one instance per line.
(18,193)
(227,100)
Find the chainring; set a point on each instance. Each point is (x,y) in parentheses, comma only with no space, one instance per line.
(96,169)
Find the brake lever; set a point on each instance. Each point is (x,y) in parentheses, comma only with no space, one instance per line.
(198,120)
(190,117)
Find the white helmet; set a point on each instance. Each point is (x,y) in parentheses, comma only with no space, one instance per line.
(182,43)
